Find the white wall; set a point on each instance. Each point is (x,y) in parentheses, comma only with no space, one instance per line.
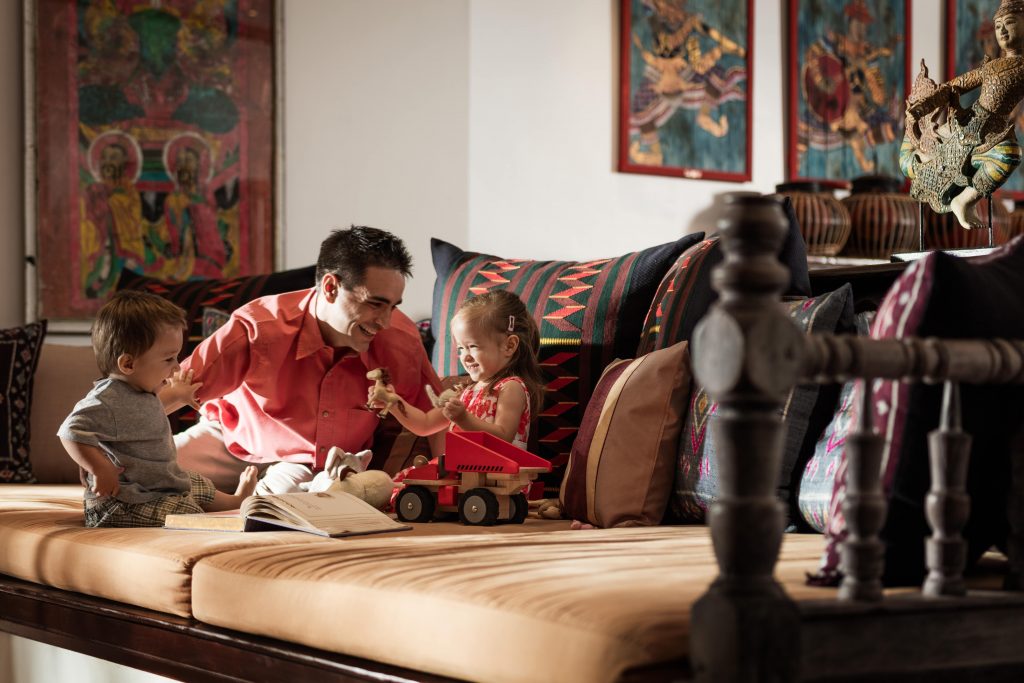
(375,128)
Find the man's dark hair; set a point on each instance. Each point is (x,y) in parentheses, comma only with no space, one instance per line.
(348,253)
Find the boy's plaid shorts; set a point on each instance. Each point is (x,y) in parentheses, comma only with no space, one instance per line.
(110,512)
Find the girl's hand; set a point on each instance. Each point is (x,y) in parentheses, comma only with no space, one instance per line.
(181,389)
(453,409)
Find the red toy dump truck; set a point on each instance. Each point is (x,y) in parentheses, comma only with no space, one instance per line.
(481,476)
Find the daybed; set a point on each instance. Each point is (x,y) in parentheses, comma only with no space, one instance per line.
(541,602)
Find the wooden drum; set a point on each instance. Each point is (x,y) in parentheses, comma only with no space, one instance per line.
(883,219)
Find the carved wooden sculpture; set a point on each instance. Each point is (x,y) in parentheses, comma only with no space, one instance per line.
(956,156)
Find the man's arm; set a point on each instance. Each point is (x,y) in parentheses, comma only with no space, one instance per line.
(219,364)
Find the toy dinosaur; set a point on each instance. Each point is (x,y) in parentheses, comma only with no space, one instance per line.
(382,378)
(438,399)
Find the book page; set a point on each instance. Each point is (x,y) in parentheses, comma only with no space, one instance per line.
(332,512)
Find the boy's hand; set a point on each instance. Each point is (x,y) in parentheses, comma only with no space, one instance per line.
(105,479)
(181,389)
(453,409)
(375,398)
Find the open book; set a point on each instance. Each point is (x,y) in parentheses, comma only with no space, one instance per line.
(330,513)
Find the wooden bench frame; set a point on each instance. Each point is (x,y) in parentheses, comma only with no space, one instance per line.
(745,627)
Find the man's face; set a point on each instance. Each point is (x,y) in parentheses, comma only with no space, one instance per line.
(353,317)
(112,163)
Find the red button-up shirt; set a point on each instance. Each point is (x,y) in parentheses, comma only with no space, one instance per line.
(279,391)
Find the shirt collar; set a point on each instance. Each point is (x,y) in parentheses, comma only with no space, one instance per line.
(311,341)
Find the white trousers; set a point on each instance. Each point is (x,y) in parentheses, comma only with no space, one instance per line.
(201,449)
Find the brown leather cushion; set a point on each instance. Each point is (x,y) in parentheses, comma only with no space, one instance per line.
(508,605)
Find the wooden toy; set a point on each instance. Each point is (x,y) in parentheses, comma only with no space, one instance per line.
(484,478)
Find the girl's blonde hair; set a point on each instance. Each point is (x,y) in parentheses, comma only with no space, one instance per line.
(500,312)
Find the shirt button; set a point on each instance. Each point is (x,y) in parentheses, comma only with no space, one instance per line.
(325,413)
(323,448)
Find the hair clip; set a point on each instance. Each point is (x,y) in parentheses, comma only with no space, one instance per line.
(511,323)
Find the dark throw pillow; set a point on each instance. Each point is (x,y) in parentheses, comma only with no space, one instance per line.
(19,358)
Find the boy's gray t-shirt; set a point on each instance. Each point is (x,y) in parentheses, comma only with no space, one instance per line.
(130,426)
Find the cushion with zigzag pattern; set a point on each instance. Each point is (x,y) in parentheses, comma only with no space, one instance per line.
(588,312)
(197,296)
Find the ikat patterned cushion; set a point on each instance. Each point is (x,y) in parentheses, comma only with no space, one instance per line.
(806,412)
(589,313)
(819,475)
(19,357)
(938,296)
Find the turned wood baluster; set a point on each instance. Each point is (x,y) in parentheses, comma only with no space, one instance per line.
(747,355)
(864,509)
(1015,512)
(947,505)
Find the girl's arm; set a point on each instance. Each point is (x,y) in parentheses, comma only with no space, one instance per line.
(511,404)
(95,462)
(180,391)
(409,416)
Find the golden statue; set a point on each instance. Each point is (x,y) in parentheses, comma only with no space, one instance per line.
(955,156)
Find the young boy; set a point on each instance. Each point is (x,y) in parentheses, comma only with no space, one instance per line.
(119,433)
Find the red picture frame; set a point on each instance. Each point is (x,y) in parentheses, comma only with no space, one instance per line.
(686,88)
(153,146)
(849,74)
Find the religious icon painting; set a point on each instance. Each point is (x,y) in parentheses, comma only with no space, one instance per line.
(685,88)
(849,77)
(970,40)
(152,145)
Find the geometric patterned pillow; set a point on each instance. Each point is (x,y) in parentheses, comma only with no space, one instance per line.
(683,297)
(696,481)
(939,296)
(19,357)
(588,313)
(815,492)
(195,296)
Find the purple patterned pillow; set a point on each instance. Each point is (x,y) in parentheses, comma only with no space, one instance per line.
(939,296)
(19,358)
(696,483)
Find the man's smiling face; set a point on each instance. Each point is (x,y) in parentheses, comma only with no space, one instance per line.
(352,317)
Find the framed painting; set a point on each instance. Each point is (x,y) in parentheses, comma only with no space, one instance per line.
(153,146)
(848,78)
(970,39)
(685,88)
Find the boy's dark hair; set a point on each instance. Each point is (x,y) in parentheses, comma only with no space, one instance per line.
(348,253)
(129,323)
(502,313)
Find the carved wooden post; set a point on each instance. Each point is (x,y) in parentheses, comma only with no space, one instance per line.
(1015,512)
(864,508)
(747,353)
(947,505)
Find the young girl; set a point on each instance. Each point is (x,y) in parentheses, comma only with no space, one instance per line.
(497,342)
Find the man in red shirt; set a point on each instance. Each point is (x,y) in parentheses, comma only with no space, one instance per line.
(284,379)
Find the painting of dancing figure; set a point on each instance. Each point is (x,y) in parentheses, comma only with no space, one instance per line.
(685,100)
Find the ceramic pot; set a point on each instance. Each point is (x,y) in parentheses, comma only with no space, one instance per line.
(883,219)
(824,221)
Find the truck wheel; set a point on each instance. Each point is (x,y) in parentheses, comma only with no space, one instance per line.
(415,504)
(478,507)
(520,508)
